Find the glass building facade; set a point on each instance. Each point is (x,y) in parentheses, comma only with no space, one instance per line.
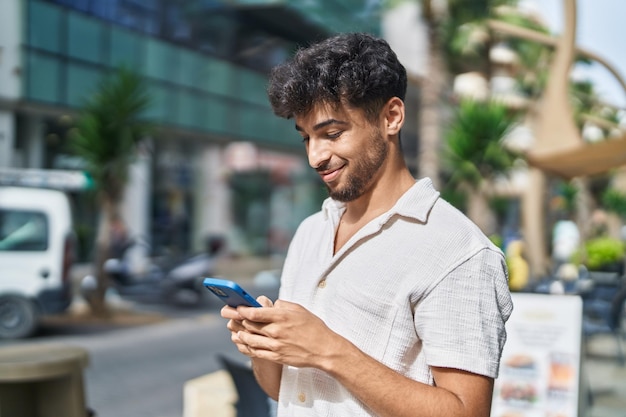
(205,63)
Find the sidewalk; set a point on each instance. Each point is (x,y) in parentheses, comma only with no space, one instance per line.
(606,378)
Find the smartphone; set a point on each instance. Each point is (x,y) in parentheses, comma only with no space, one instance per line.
(230,292)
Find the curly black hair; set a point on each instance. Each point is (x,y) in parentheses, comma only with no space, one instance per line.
(355,69)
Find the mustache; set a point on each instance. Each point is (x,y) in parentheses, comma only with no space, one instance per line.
(327,167)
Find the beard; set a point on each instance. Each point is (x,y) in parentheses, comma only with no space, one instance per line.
(359,179)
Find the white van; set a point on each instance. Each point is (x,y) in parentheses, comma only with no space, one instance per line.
(36,253)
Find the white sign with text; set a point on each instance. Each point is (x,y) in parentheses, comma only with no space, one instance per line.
(540,367)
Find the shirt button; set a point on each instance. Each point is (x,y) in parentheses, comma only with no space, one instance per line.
(322,284)
(302,397)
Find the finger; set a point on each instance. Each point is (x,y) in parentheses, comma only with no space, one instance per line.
(238,339)
(254,327)
(235,326)
(242,346)
(235,337)
(228,312)
(256,314)
(254,341)
(245,349)
(264,301)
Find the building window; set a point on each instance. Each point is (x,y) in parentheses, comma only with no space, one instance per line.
(212,28)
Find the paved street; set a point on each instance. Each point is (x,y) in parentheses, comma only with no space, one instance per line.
(141,360)
(140,370)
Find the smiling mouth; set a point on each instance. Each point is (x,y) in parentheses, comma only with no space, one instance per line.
(330,174)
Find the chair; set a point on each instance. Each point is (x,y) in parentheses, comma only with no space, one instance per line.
(603,312)
(252,400)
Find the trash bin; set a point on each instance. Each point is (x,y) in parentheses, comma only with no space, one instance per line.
(42,381)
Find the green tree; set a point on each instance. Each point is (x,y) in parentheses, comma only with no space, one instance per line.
(614,201)
(108,132)
(467,39)
(474,154)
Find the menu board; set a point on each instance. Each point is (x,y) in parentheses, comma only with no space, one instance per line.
(540,366)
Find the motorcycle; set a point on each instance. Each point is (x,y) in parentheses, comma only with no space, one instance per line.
(176,282)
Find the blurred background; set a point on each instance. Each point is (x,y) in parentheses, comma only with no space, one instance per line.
(507,100)
(139,153)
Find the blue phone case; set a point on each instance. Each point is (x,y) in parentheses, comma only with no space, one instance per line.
(230,292)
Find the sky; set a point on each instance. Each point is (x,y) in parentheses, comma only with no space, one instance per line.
(601,28)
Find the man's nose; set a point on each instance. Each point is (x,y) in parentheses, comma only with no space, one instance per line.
(318,152)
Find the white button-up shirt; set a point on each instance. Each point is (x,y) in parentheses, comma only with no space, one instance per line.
(418,286)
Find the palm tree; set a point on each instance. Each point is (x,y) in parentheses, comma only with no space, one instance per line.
(474,154)
(107,134)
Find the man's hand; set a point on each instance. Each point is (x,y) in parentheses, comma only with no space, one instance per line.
(288,334)
(268,373)
(235,324)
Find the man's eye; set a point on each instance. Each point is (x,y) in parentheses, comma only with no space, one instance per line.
(305,139)
(334,135)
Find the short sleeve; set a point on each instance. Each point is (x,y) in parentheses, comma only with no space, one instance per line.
(461,322)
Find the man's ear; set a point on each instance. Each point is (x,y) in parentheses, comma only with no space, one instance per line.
(394,115)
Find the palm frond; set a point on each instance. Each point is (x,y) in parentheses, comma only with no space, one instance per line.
(109,129)
(474,148)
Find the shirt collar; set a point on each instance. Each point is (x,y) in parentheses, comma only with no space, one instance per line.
(415,203)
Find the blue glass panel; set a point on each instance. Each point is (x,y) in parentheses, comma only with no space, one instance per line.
(251,87)
(283,132)
(263,126)
(82,80)
(125,49)
(215,76)
(44,26)
(85,38)
(152,111)
(160,60)
(158,107)
(159,104)
(218,115)
(198,103)
(205,108)
(42,77)
(255,122)
(188,68)
(186,108)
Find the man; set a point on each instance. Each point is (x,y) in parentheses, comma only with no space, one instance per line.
(392,303)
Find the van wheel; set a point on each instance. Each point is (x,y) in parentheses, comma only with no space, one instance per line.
(18,317)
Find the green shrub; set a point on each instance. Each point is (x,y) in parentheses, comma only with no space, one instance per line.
(603,251)
(615,201)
